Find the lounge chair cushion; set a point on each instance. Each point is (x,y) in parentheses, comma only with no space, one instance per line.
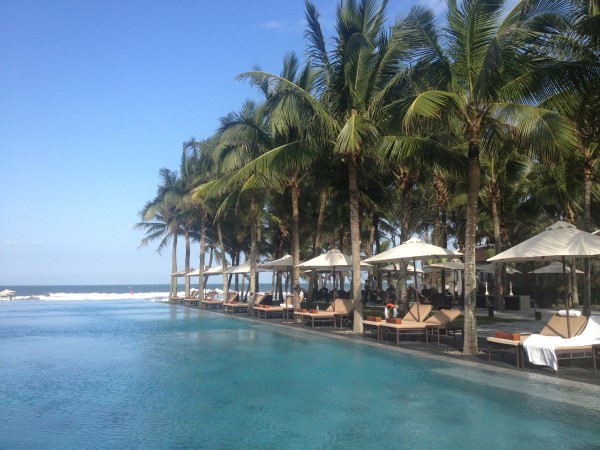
(417,313)
(443,317)
(557,326)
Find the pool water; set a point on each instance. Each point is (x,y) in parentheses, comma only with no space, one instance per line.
(136,374)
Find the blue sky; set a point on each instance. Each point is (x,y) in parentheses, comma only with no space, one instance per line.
(96,96)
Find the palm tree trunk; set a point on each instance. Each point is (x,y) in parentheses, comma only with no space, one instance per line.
(253,255)
(295,191)
(470,346)
(405,187)
(498,291)
(202,256)
(587,201)
(355,240)
(187,261)
(174,267)
(223,261)
(317,242)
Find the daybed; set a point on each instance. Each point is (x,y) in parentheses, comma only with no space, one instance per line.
(339,309)
(547,349)
(439,320)
(233,306)
(554,334)
(193,299)
(416,312)
(209,301)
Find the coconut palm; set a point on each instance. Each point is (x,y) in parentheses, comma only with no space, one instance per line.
(160,218)
(356,75)
(492,69)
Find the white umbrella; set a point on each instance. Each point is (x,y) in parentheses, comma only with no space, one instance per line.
(412,249)
(332,261)
(490,268)
(181,273)
(449,265)
(558,241)
(409,268)
(243,268)
(555,267)
(283,263)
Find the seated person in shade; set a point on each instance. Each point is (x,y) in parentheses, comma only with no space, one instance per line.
(392,294)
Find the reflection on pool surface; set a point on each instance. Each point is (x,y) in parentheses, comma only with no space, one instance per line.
(134,374)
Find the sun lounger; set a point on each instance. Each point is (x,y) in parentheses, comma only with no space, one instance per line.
(440,319)
(507,342)
(416,312)
(440,325)
(556,328)
(232,305)
(209,301)
(552,345)
(313,317)
(193,299)
(343,311)
(235,307)
(339,309)
(267,311)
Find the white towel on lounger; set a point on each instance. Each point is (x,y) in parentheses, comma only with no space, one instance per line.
(541,349)
(572,313)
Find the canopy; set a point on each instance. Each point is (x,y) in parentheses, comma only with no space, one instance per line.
(559,240)
(411,250)
(332,261)
(283,263)
(490,268)
(181,273)
(450,265)
(218,270)
(409,268)
(243,268)
(555,267)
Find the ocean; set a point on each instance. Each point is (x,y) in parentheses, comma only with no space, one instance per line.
(152,292)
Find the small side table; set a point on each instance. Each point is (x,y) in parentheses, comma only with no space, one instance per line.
(595,355)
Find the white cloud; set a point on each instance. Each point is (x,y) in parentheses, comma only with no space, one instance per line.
(10,242)
(272,25)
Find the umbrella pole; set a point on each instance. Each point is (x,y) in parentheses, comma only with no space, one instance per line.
(535,285)
(417,290)
(566,301)
(334,283)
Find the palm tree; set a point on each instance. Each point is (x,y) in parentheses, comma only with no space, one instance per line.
(491,70)
(160,219)
(196,168)
(291,150)
(355,78)
(244,136)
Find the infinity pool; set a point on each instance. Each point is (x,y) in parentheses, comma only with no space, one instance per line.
(135,374)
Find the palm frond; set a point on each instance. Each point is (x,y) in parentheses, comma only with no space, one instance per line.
(357,131)
(431,104)
(544,133)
